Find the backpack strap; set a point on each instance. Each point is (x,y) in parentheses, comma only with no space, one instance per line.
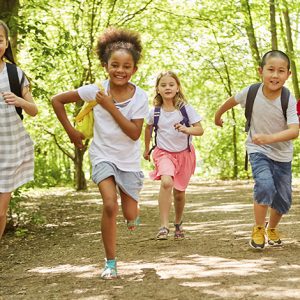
(14,84)
(285,96)
(252,92)
(155,126)
(185,121)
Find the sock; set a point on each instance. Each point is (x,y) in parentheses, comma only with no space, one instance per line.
(111,263)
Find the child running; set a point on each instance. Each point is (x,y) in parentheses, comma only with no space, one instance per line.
(115,149)
(16,146)
(174,155)
(269,146)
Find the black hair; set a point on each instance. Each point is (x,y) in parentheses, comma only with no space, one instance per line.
(114,39)
(8,52)
(275,53)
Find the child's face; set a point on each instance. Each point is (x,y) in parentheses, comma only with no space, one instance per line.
(3,41)
(167,87)
(120,67)
(274,73)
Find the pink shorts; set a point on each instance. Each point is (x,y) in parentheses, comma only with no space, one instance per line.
(180,165)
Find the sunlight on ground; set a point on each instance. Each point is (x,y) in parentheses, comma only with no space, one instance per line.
(255,290)
(230,207)
(194,266)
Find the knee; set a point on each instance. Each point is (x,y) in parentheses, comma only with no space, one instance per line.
(167,182)
(110,208)
(267,189)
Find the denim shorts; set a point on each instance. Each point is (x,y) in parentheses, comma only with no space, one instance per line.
(130,183)
(273,182)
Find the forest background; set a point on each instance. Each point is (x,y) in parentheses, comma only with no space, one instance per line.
(214,47)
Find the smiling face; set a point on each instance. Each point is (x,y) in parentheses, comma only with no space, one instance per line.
(120,67)
(3,41)
(167,87)
(274,73)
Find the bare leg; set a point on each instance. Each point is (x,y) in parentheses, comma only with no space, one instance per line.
(260,213)
(179,203)
(275,218)
(4,201)
(165,199)
(129,207)
(108,192)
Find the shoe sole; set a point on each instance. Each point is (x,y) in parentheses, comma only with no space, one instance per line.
(275,245)
(161,238)
(256,248)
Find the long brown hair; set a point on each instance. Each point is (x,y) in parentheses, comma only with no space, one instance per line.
(179,99)
(8,52)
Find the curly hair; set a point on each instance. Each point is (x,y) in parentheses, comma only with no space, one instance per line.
(179,99)
(114,39)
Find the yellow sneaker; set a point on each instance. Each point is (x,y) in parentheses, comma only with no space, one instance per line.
(273,237)
(258,237)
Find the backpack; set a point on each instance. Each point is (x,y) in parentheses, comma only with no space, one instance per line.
(185,121)
(252,92)
(15,85)
(84,121)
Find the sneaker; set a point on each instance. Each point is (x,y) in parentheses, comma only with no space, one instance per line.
(273,237)
(258,237)
(162,233)
(132,225)
(178,234)
(110,270)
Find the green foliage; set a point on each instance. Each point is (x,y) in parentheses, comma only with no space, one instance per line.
(205,42)
(21,214)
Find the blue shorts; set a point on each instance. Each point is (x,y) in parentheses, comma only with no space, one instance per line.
(130,183)
(273,182)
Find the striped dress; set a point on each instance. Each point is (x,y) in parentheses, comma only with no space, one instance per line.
(16,146)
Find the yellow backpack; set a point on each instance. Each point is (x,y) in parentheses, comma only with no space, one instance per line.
(84,121)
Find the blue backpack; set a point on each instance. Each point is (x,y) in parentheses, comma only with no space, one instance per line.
(185,121)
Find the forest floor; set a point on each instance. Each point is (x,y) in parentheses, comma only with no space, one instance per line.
(62,257)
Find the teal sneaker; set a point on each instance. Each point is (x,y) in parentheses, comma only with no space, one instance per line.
(132,225)
(110,269)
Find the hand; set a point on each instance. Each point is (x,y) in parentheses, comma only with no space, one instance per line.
(11,99)
(260,139)
(219,121)
(76,138)
(106,101)
(146,155)
(182,128)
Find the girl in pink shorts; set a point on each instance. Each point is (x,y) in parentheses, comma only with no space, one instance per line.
(174,123)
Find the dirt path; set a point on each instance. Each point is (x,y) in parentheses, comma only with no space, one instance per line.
(62,258)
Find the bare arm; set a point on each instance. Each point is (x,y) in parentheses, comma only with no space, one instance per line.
(132,128)
(58,103)
(286,135)
(147,138)
(228,104)
(26,102)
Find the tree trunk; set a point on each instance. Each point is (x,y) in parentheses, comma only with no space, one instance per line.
(250,33)
(290,50)
(79,174)
(273,25)
(8,13)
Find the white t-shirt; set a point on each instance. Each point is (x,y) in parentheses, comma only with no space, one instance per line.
(267,118)
(110,143)
(168,138)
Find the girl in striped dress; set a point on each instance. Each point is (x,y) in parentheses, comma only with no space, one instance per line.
(16,146)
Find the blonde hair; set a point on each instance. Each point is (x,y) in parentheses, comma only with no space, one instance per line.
(179,99)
